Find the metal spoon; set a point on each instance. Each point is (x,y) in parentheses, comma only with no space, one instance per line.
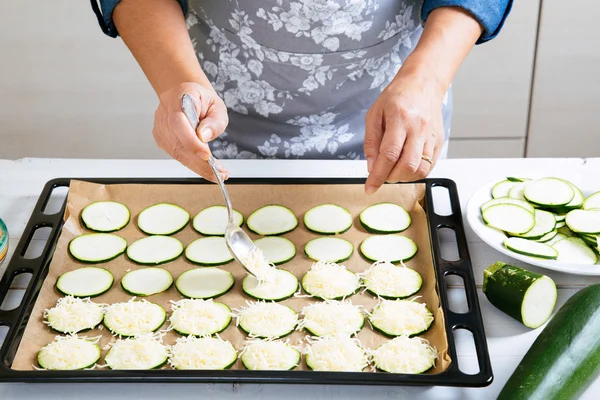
(238,242)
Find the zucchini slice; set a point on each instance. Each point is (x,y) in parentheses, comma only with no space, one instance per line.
(72,315)
(584,221)
(502,188)
(97,247)
(575,251)
(401,317)
(85,282)
(270,355)
(328,219)
(549,192)
(507,200)
(510,218)
(208,251)
(578,198)
(530,248)
(134,317)
(516,192)
(332,318)
(146,281)
(329,249)
(336,354)
(163,219)
(105,216)
(69,353)
(280,285)
(548,237)
(204,283)
(266,320)
(404,355)
(142,352)
(206,353)
(276,250)
(388,281)
(392,248)
(330,281)
(559,236)
(199,317)
(212,221)
(545,222)
(592,201)
(154,250)
(272,220)
(385,218)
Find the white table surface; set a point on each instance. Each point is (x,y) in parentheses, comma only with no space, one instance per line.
(22,180)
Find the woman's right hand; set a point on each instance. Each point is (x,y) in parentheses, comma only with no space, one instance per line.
(174,134)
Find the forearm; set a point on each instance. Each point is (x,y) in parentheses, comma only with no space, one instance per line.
(155,33)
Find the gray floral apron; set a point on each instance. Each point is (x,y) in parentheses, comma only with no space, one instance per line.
(299,76)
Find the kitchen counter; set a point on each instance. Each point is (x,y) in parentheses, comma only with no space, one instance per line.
(22,180)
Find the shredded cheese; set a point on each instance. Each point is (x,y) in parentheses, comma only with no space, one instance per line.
(386,279)
(69,353)
(202,353)
(332,318)
(328,280)
(143,352)
(72,315)
(262,269)
(266,320)
(336,354)
(404,355)
(270,355)
(401,317)
(134,317)
(199,317)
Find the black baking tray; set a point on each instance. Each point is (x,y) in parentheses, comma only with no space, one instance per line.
(471,320)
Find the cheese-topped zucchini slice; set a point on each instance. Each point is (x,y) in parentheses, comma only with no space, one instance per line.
(212,221)
(204,283)
(330,281)
(212,353)
(387,280)
(385,218)
(336,354)
(199,317)
(279,285)
(69,353)
(146,281)
(266,320)
(272,220)
(85,282)
(97,247)
(154,250)
(134,317)
(142,352)
(404,355)
(163,219)
(401,317)
(105,216)
(392,248)
(328,219)
(270,355)
(332,318)
(72,315)
(208,251)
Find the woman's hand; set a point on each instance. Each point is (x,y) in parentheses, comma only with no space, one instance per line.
(404,130)
(174,134)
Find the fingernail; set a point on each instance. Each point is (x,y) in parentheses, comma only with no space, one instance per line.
(203,156)
(205,134)
(369,190)
(369,164)
(224,176)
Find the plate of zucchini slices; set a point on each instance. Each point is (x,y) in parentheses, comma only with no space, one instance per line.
(548,222)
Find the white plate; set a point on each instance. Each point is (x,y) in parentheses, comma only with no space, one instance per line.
(494,237)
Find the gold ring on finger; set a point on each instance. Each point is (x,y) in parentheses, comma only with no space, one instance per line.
(428,159)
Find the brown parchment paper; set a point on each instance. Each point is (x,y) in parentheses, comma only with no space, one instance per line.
(245,198)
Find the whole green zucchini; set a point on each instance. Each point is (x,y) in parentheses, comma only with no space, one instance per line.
(565,358)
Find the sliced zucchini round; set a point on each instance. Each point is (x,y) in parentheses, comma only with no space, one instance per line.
(386,280)
(560,217)
(584,221)
(516,192)
(276,250)
(577,200)
(105,216)
(502,188)
(510,218)
(267,320)
(592,201)
(332,318)
(401,317)
(545,222)
(199,317)
(204,283)
(208,251)
(154,250)
(392,248)
(142,352)
(72,315)
(97,247)
(547,237)
(336,354)
(385,218)
(272,220)
(330,281)
(530,248)
(205,353)
(329,249)
(146,281)
(575,251)
(213,220)
(507,200)
(281,285)
(85,282)
(328,219)
(134,317)
(270,355)
(69,353)
(163,219)
(404,355)
(559,236)
(550,192)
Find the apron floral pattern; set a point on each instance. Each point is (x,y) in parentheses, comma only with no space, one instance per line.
(298,76)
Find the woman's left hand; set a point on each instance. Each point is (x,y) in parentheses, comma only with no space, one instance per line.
(404,130)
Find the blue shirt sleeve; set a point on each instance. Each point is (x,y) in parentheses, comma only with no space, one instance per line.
(490,14)
(105,11)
